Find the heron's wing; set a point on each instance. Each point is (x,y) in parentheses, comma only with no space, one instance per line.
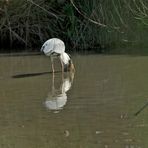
(53,45)
(59,46)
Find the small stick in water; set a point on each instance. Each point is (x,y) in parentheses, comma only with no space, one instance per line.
(141,109)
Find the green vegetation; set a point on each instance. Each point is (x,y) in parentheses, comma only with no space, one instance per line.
(85,25)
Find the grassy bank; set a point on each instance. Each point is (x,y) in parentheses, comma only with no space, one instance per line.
(84,25)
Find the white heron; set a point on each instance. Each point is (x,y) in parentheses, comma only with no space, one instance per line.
(55,47)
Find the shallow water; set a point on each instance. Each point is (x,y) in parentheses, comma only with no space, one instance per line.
(104,104)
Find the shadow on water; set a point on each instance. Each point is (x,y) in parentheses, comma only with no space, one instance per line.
(32,74)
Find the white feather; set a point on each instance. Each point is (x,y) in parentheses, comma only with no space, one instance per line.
(65,58)
(53,45)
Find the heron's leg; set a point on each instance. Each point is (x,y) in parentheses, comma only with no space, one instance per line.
(62,66)
(52,64)
(53,84)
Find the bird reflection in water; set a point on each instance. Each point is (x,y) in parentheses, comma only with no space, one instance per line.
(57,97)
